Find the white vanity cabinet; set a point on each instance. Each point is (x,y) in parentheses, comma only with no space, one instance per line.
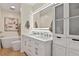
(28,45)
(42,48)
(35,47)
(30,48)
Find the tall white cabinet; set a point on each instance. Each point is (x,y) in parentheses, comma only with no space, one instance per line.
(66,30)
(73,30)
(59,37)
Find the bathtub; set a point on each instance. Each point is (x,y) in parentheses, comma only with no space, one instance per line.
(6,41)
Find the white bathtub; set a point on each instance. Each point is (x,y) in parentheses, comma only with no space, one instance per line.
(6,41)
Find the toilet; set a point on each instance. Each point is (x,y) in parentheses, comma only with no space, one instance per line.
(16,45)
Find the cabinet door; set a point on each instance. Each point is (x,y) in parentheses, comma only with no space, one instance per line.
(73,29)
(73,52)
(23,43)
(59,25)
(73,9)
(59,36)
(74,26)
(30,48)
(73,19)
(58,50)
(59,19)
(59,11)
(38,48)
(60,40)
(39,51)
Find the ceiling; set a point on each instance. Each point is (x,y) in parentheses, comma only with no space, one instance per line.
(6,6)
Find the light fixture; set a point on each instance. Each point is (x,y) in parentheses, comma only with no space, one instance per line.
(12,7)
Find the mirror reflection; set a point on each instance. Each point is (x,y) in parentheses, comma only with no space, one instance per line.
(44,18)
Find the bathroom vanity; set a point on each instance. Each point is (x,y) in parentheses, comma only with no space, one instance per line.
(38,43)
(65,34)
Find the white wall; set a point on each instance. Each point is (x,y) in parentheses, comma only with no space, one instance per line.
(1,21)
(37,5)
(25,16)
(4,13)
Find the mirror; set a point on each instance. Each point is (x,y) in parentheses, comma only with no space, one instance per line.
(44,18)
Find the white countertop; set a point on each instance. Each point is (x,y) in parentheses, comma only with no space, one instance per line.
(38,38)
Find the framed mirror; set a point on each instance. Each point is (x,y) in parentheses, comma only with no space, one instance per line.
(43,18)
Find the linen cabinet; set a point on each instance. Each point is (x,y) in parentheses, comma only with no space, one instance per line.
(73,30)
(66,30)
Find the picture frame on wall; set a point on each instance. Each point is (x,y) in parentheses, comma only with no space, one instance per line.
(10,24)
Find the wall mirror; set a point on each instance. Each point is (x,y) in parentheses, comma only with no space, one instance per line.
(43,18)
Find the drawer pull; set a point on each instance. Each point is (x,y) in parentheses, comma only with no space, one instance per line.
(58,37)
(75,39)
